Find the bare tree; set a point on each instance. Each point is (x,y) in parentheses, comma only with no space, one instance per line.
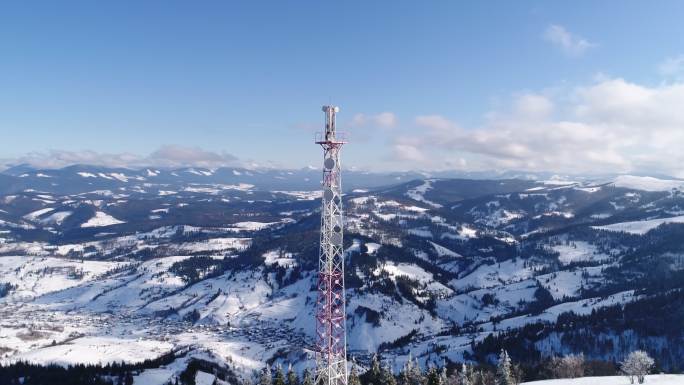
(570,366)
(637,364)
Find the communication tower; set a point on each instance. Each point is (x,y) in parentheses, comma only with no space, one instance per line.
(331,342)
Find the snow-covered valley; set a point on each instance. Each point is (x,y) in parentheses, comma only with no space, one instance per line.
(446,270)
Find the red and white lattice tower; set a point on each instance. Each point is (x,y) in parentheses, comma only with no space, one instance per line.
(331,343)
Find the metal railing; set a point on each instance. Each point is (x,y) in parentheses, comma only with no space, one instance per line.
(340,137)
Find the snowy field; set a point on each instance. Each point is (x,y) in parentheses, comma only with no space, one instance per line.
(36,276)
(659,379)
(646,183)
(577,252)
(96,350)
(640,227)
(101,219)
(418,193)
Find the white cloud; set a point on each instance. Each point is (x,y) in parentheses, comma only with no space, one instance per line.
(570,44)
(533,106)
(62,158)
(672,67)
(179,156)
(608,126)
(381,120)
(435,122)
(386,119)
(408,152)
(165,156)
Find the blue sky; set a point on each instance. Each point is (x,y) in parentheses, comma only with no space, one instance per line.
(429,85)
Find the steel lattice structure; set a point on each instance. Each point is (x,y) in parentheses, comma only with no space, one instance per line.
(331,351)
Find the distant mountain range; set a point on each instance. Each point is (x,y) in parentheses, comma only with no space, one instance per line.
(83,178)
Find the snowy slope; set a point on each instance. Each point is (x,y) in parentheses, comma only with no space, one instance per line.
(36,276)
(418,193)
(646,183)
(101,219)
(640,227)
(656,379)
(96,350)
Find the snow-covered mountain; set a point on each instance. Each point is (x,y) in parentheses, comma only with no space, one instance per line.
(82,178)
(109,265)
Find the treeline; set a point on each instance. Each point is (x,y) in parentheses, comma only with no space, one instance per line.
(608,331)
(504,372)
(25,373)
(6,288)
(194,269)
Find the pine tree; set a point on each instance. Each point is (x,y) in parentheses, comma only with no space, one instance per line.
(464,376)
(478,378)
(265,377)
(354,375)
(487,378)
(307,379)
(416,375)
(279,377)
(504,376)
(374,374)
(433,376)
(375,367)
(443,380)
(405,374)
(411,374)
(292,376)
(387,377)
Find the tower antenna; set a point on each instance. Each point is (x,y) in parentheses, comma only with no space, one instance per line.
(331,337)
